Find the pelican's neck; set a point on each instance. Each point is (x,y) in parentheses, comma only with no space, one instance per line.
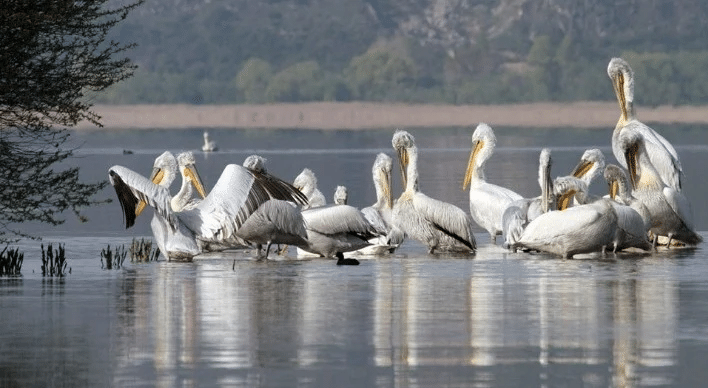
(623,191)
(378,186)
(179,201)
(626,100)
(648,177)
(484,154)
(412,170)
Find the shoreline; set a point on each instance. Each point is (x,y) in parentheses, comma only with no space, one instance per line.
(368,115)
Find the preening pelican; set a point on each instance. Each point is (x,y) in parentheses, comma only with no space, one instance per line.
(275,221)
(209,145)
(236,195)
(335,229)
(307,183)
(669,210)
(487,201)
(340,195)
(439,225)
(379,214)
(578,229)
(633,219)
(520,212)
(660,152)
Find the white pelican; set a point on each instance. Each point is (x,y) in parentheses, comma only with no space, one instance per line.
(307,183)
(335,229)
(578,229)
(379,214)
(236,195)
(487,201)
(340,195)
(209,145)
(633,220)
(520,212)
(439,225)
(669,210)
(660,152)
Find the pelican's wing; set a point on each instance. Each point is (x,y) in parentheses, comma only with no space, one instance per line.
(662,154)
(233,199)
(335,219)
(447,218)
(630,222)
(375,219)
(557,226)
(131,188)
(279,189)
(680,205)
(488,202)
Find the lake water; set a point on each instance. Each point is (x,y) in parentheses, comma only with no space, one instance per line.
(412,319)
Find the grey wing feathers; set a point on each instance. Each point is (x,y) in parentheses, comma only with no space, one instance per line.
(279,189)
(337,219)
(132,187)
(373,216)
(447,218)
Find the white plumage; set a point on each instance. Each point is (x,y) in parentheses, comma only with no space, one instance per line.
(306,182)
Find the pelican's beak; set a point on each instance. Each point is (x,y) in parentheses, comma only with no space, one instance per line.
(403,161)
(565,199)
(476,147)
(614,189)
(156,177)
(618,84)
(630,156)
(193,174)
(547,197)
(582,168)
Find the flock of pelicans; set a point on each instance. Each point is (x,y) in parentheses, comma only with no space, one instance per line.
(250,207)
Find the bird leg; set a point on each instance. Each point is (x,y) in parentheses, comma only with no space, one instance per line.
(267,250)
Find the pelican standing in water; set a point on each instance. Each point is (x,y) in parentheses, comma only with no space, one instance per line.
(236,195)
(669,209)
(487,201)
(633,220)
(520,212)
(307,183)
(660,152)
(209,145)
(439,225)
(379,214)
(340,195)
(578,229)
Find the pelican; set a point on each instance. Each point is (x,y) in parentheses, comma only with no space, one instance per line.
(209,145)
(669,209)
(520,212)
(379,214)
(340,195)
(633,220)
(439,225)
(236,195)
(275,221)
(660,152)
(335,229)
(307,183)
(578,229)
(487,201)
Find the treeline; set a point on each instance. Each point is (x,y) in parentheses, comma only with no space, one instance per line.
(392,70)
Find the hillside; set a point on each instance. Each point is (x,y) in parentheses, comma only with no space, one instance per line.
(453,51)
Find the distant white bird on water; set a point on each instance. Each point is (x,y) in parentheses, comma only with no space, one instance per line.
(487,201)
(209,145)
(307,183)
(439,225)
(660,153)
(669,209)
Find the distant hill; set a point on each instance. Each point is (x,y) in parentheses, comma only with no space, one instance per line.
(447,50)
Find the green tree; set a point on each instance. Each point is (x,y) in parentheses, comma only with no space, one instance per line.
(253,79)
(381,73)
(299,82)
(53,54)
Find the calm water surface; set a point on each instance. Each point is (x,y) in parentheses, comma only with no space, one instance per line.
(497,319)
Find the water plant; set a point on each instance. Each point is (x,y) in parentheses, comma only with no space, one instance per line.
(110,259)
(141,251)
(54,261)
(11,261)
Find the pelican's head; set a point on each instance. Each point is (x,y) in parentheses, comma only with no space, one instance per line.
(340,195)
(306,181)
(403,142)
(382,174)
(483,142)
(631,143)
(566,188)
(206,135)
(544,179)
(189,171)
(164,171)
(622,78)
(591,163)
(616,180)
(255,163)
